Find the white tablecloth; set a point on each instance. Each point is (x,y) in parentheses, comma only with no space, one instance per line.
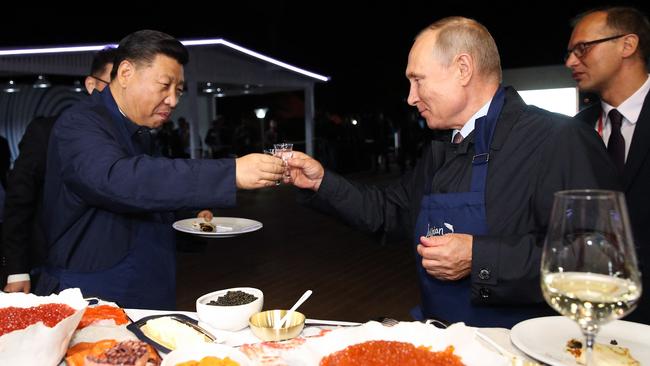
(234,339)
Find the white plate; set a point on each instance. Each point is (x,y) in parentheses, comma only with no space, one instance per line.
(545,338)
(311,350)
(226,227)
(198,351)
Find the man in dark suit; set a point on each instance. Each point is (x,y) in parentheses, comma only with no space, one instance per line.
(23,246)
(607,54)
(477,209)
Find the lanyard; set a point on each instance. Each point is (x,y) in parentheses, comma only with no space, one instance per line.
(599,127)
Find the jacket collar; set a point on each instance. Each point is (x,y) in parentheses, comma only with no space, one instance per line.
(111,104)
(512,109)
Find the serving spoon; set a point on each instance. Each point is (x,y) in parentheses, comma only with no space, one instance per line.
(287,316)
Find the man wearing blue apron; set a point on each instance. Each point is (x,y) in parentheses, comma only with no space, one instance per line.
(108,202)
(476,209)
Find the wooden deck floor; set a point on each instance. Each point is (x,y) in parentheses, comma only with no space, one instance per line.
(353,277)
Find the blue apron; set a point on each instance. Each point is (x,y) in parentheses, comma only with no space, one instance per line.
(461,213)
(144,279)
(146,276)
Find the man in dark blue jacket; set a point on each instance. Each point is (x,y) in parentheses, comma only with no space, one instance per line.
(108,203)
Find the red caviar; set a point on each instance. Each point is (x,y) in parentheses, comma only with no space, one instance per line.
(388,353)
(13,318)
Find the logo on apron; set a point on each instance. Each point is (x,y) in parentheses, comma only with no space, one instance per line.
(437,231)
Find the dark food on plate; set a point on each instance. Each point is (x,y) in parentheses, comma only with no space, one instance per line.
(207,227)
(13,318)
(604,354)
(76,355)
(390,353)
(125,353)
(210,361)
(232,298)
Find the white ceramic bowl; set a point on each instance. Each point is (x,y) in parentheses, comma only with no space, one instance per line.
(198,351)
(232,318)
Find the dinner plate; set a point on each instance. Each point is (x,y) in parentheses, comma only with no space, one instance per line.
(545,339)
(197,352)
(226,226)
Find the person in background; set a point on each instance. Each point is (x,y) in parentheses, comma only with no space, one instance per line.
(24,249)
(476,205)
(109,203)
(214,139)
(608,55)
(272,135)
(169,143)
(5,161)
(183,133)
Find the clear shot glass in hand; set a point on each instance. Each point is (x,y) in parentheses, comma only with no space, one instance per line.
(284,151)
(272,153)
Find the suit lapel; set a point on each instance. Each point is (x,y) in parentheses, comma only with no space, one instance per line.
(640,144)
(590,114)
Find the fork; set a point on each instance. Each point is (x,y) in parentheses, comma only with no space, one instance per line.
(387,322)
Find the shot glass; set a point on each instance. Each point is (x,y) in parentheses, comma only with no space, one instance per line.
(284,151)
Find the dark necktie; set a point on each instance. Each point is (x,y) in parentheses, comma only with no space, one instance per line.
(458,138)
(616,143)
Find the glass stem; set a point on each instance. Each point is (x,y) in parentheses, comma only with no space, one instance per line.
(590,337)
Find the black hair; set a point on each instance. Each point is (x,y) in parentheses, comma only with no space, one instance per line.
(101,59)
(625,20)
(144,45)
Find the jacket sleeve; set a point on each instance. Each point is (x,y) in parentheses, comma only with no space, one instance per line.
(573,157)
(97,168)
(24,187)
(371,208)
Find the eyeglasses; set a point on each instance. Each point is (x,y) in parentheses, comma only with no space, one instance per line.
(100,79)
(581,49)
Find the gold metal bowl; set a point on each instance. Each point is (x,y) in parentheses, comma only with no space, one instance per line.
(262,325)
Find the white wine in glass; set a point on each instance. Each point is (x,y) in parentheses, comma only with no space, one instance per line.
(589,270)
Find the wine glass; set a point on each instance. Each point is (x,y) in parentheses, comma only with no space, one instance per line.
(589,269)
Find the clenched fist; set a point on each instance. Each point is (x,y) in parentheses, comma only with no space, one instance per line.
(447,257)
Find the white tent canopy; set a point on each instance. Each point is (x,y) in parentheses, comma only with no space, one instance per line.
(236,70)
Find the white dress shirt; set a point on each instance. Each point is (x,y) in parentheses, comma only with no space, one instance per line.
(468,127)
(630,109)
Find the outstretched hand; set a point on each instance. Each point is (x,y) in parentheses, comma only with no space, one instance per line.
(257,171)
(306,172)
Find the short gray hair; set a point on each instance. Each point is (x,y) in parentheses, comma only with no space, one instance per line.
(463,35)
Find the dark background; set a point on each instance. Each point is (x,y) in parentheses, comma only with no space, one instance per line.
(362,46)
